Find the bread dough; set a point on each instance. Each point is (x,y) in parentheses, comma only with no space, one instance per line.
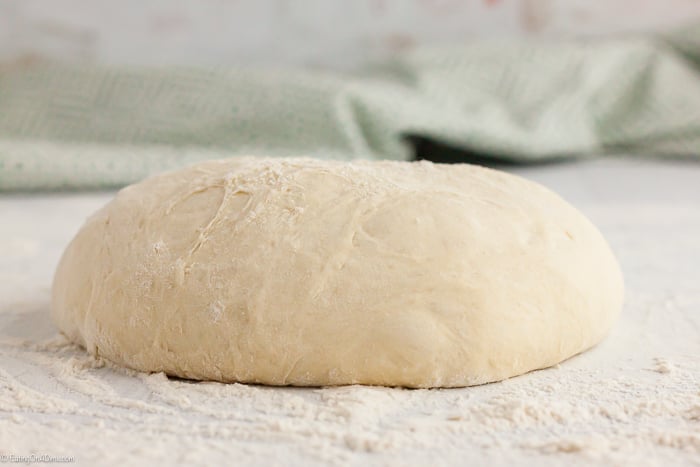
(308,272)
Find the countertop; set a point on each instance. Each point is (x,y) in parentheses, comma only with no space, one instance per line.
(632,400)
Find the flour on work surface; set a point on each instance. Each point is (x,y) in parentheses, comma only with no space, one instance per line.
(634,400)
(62,396)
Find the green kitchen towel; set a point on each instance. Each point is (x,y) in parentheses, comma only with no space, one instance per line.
(86,127)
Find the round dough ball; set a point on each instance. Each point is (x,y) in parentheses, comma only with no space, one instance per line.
(310,273)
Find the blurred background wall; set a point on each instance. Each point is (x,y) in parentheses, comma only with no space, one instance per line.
(329,33)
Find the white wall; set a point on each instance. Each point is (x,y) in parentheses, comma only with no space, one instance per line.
(337,33)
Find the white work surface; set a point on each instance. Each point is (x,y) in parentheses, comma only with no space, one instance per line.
(633,400)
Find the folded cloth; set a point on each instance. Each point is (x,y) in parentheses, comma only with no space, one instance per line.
(84,127)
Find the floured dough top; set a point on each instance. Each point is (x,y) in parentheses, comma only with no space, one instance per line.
(308,272)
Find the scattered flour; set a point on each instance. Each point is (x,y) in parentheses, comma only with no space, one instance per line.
(662,365)
(55,392)
(632,401)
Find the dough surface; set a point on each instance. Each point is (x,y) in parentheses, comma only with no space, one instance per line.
(308,272)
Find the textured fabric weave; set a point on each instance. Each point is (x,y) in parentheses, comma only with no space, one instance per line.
(79,127)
